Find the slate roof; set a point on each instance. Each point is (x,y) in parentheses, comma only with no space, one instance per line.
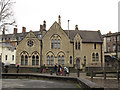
(12,48)
(87,36)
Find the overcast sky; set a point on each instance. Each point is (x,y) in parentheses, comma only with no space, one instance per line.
(87,14)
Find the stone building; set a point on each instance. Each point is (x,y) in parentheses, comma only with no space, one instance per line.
(71,48)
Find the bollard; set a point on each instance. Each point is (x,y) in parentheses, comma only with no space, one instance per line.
(91,74)
(78,72)
(104,75)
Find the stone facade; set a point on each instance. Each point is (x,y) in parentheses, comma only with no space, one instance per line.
(59,46)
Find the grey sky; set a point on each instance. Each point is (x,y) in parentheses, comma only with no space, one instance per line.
(87,14)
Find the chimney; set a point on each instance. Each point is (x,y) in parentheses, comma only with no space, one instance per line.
(44,25)
(41,27)
(59,20)
(109,32)
(15,31)
(23,29)
(76,27)
(3,32)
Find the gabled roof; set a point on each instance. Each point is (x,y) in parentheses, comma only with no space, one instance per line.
(87,36)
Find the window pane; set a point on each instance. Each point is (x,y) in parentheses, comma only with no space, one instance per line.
(12,57)
(114,47)
(26,60)
(79,45)
(33,60)
(55,44)
(93,56)
(97,57)
(70,59)
(84,60)
(58,60)
(37,60)
(62,60)
(52,43)
(58,44)
(48,60)
(52,60)
(76,45)
(22,60)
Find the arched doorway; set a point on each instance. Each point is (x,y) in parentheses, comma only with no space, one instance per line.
(78,63)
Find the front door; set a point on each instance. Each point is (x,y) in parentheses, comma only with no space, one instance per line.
(78,63)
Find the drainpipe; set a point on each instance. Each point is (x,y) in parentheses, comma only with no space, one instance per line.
(73,54)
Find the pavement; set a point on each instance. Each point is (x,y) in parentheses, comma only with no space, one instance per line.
(109,83)
(27,83)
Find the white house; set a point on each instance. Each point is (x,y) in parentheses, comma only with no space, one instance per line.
(7,53)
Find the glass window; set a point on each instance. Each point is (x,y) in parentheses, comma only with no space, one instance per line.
(58,43)
(76,45)
(62,60)
(70,59)
(97,57)
(5,57)
(58,59)
(26,60)
(79,45)
(114,47)
(93,57)
(30,43)
(52,60)
(12,57)
(22,60)
(55,44)
(33,60)
(52,43)
(95,46)
(48,60)
(37,60)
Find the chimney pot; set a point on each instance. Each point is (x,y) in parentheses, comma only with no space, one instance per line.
(76,27)
(44,25)
(41,27)
(15,30)
(23,29)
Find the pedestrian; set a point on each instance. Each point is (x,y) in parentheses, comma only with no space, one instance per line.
(55,69)
(6,69)
(59,69)
(17,68)
(44,68)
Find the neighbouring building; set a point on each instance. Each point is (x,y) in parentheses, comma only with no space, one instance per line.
(111,47)
(71,48)
(7,53)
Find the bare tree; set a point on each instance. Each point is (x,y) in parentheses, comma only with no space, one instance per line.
(6,13)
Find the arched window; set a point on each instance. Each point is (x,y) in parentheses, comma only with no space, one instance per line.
(97,57)
(26,60)
(37,60)
(70,59)
(58,59)
(52,43)
(93,57)
(52,60)
(48,60)
(79,45)
(55,44)
(58,43)
(22,60)
(76,45)
(33,60)
(62,60)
